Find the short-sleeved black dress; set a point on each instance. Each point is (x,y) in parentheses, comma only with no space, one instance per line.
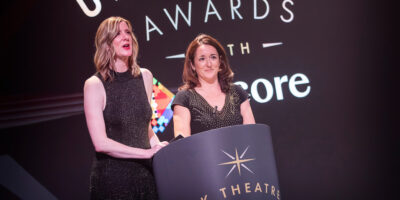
(127,115)
(204,117)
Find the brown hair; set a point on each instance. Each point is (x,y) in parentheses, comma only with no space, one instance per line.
(190,79)
(104,56)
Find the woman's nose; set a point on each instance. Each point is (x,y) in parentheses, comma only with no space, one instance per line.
(208,62)
(125,36)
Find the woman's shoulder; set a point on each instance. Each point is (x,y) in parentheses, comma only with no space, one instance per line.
(93,85)
(94,80)
(236,88)
(183,93)
(147,76)
(145,72)
(182,98)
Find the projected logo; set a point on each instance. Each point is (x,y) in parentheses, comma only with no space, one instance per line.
(237,161)
(161,105)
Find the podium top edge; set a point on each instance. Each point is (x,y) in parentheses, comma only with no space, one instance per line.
(222,129)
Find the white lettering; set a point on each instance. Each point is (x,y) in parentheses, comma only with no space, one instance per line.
(247,48)
(215,12)
(230,46)
(234,10)
(90,13)
(284,3)
(293,83)
(278,86)
(256,16)
(177,12)
(268,89)
(148,20)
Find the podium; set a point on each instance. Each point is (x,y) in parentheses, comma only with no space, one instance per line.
(235,162)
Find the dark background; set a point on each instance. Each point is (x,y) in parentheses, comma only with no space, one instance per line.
(336,143)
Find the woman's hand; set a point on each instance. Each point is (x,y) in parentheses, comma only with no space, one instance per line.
(155,148)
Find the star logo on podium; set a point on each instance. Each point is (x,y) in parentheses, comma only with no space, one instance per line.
(237,161)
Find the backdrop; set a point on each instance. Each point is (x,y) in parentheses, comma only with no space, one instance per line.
(319,74)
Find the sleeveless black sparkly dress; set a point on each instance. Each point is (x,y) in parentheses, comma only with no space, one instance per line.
(127,115)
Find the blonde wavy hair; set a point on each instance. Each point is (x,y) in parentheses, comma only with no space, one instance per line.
(105,53)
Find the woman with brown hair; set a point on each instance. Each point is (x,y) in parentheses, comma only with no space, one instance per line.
(208,99)
(118,113)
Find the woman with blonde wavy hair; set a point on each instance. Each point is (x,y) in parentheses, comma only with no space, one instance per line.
(118,113)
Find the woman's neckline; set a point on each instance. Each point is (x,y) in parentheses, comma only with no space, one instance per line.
(209,105)
(124,72)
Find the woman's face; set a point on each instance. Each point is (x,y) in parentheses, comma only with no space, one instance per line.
(206,63)
(122,43)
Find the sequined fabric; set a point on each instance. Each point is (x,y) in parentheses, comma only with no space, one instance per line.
(127,115)
(204,117)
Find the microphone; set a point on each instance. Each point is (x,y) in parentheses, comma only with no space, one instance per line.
(215,109)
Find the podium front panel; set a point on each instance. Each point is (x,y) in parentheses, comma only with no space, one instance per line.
(235,162)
